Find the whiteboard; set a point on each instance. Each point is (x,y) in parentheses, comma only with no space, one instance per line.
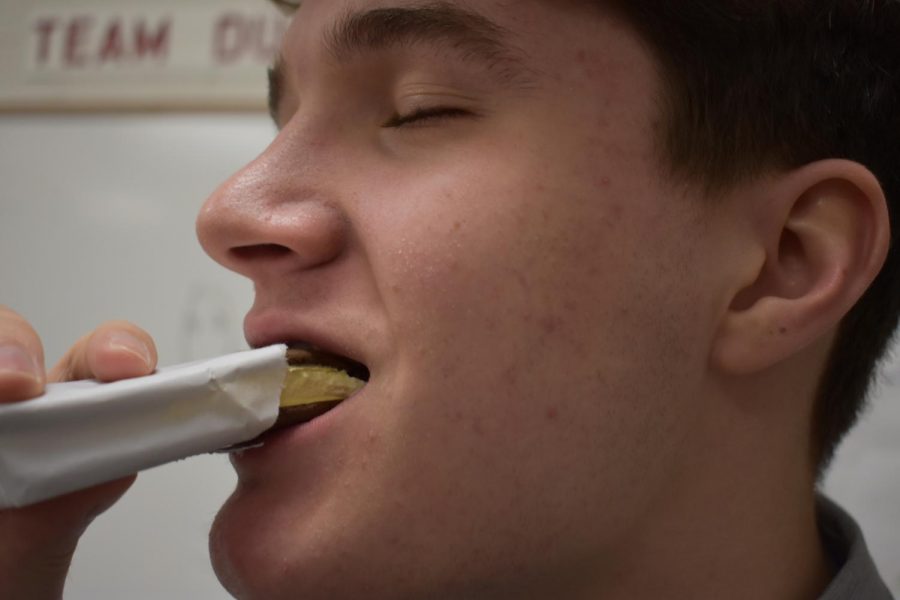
(97,222)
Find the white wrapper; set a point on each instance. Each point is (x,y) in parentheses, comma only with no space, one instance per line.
(84,433)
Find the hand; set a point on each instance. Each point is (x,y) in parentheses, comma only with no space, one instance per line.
(38,541)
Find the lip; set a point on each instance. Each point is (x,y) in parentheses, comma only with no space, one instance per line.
(265,328)
(298,440)
(281,447)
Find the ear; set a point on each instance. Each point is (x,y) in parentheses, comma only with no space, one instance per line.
(824,233)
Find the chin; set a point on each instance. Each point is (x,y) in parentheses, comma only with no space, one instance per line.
(241,550)
(261,550)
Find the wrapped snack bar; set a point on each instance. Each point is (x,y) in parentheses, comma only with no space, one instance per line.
(85,433)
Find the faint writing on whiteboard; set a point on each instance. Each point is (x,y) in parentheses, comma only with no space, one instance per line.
(210,325)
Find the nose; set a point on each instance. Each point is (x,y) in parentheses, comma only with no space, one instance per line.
(273,217)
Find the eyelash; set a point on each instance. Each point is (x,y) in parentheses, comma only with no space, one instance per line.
(423,115)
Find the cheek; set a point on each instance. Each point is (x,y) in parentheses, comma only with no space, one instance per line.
(512,267)
(537,341)
(511,270)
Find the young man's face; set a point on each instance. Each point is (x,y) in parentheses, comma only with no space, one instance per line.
(525,287)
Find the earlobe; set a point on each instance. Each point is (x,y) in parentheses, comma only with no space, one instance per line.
(825,237)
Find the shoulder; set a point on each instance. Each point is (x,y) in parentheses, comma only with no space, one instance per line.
(856,576)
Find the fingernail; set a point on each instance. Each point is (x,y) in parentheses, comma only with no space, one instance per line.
(14,359)
(120,340)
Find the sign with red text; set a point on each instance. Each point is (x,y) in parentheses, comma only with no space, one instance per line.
(137,55)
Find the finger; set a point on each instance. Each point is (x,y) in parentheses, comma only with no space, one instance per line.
(39,540)
(21,358)
(61,519)
(115,350)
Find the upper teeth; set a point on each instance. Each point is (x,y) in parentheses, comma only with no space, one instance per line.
(307,355)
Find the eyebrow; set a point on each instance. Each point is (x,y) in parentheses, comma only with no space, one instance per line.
(472,36)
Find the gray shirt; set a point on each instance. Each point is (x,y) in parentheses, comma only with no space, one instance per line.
(856,578)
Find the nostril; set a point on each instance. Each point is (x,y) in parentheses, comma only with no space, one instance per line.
(259,252)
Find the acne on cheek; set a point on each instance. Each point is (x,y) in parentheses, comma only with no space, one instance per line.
(550,325)
(614,214)
(589,70)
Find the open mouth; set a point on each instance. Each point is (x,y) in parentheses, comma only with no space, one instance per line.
(300,354)
(317,381)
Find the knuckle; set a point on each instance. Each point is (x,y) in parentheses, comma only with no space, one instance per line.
(119,349)
(16,330)
(12,322)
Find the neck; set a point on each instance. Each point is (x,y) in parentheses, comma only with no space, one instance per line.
(736,522)
(732,543)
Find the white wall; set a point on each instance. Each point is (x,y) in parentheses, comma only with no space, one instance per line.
(96,222)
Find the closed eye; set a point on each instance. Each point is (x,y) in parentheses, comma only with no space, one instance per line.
(425,116)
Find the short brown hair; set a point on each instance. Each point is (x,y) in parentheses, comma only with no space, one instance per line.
(752,86)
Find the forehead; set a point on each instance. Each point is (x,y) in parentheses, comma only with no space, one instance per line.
(542,30)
